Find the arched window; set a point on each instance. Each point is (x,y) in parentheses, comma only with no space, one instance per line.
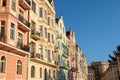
(19,67)
(53,74)
(49,73)
(32,71)
(2,64)
(40,72)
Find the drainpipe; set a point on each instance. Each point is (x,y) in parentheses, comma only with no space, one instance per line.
(28,45)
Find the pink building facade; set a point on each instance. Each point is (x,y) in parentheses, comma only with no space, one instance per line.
(72,45)
(14,32)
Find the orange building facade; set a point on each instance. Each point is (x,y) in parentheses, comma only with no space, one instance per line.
(14,32)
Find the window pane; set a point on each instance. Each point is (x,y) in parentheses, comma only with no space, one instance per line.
(40,30)
(40,72)
(13,5)
(41,12)
(49,21)
(32,71)
(49,55)
(45,32)
(2,64)
(3,2)
(19,67)
(48,37)
(33,6)
(12,31)
(40,49)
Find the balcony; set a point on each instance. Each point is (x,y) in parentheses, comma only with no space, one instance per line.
(64,65)
(23,50)
(35,34)
(48,59)
(65,54)
(39,56)
(23,47)
(56,49)
(39,59)
(25,4)
(23,24)
(59,37)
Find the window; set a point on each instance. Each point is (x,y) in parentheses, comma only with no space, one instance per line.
(13,5)
(40,72)
(58,44)
(21,12)
(20,39)
(52,55)
(45,32)
(32,71)
(45,51)
(45,14)
(54,74)
(49,74)
(2,64)
(3,2)
(33,26)
(19,67)
(40,49)
(33,6)
(48,37)
(52,39)
(12,31)
(52,22)
(48,55)
(49,21)
(40,30)
(41,12)
(58,58)
(2,28)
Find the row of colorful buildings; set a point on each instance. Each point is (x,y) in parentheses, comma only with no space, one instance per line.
(34,44)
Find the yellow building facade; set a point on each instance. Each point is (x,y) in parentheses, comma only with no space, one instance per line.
(84,68)
(42,64)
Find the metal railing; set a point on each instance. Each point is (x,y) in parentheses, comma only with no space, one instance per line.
(24,21)
(39,56)
(23,47)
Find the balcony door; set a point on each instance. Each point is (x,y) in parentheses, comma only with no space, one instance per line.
(32,49)
(2,30)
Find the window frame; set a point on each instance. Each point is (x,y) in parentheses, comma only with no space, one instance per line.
(13,5)
(33,6)
(2,64)
(12,31)
(40,72)
(40,12)
(19,67)
(4,3)
(32,71)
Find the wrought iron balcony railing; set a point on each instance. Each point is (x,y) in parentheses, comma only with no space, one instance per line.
(24,21)
(23,47)
(39,56)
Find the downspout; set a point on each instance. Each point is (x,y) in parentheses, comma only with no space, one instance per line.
(28,56)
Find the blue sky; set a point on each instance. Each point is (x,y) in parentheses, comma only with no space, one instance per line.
(96,24)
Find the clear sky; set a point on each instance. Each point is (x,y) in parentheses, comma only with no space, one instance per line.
(96,24)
